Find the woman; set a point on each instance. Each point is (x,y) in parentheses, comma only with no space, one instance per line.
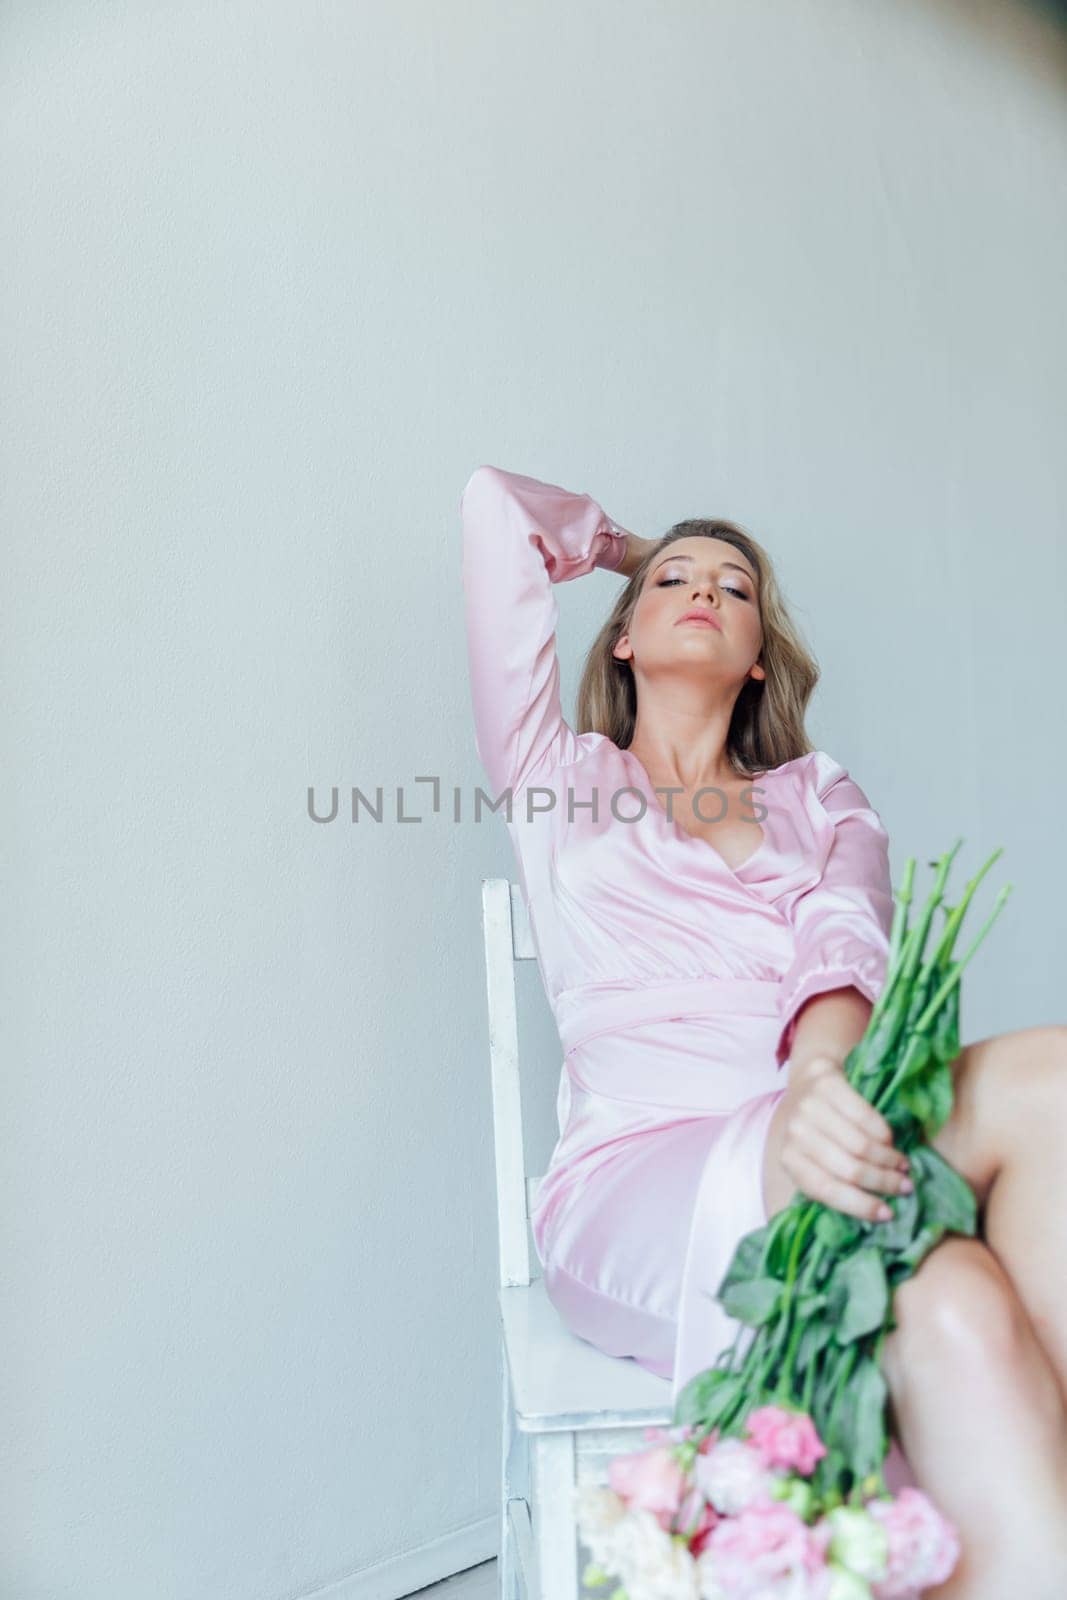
(711,902)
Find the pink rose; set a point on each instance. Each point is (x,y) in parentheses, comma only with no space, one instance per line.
(785,1438)
(696,1519)
(763,1543)
(649,1480)
(674,1435)
(923,1545)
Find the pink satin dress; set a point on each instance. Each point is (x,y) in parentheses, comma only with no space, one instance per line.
(675,979)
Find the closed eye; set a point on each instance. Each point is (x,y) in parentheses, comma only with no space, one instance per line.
(664,583)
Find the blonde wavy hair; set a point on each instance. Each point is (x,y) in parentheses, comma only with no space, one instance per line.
(767,726)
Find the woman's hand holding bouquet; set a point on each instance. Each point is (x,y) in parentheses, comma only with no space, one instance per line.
(833,1144)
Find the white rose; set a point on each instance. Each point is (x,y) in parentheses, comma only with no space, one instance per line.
(732,1476)
(846,1585)
(795,1585)
(710,1587)
(655,1566)
(860,1542)
(601,1518)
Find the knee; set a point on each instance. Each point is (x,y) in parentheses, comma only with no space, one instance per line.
(1048,1058)
(1058,1053)
(959,1311)
(1008,1090)
(1035,1102)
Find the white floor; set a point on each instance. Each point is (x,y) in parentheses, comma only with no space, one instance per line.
(479,1583)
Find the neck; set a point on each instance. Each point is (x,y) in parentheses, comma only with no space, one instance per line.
(689,758)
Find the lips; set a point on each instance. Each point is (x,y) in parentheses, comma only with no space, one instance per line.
(708,618)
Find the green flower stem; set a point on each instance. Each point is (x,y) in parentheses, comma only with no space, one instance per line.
(943,949)
(887,1089)
(783,1390)
(925,1022)
(902,899)
(908,976)
(846,1372)
(955,971)
(906,950)
(809,1386)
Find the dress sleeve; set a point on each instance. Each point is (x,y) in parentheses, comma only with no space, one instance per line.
(843,922)
(521,536)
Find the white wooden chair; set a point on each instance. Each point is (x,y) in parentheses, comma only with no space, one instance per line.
(567,1407)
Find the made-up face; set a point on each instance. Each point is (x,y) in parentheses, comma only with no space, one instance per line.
(722,641)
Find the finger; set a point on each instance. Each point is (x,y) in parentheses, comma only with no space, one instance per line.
(848,1136)
(856,1171)
(835,1192)
(840,1093)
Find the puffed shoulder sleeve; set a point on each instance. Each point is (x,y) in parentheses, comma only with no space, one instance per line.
(843,922)
(521,536)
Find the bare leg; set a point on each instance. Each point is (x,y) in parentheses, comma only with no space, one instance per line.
(1005,1135)
(981,1419)
(1012,1099)
(977,1367)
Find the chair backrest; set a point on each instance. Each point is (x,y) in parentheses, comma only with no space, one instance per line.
(506,929)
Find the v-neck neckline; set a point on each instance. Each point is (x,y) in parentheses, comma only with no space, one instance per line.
(694,838)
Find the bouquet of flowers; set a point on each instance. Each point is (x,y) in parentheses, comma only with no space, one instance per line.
(769,1484)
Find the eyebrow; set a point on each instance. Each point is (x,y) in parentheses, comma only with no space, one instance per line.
(743,570)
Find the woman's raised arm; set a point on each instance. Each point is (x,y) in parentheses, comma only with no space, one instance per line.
(521,536)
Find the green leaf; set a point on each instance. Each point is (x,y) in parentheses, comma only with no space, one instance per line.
(917,1099)
(823,1397)
(898,1234)
(947,1197)
(816,1337)
(810,1303)
(880,1044)
(749,1252)
(860,1431)
(945,1039)
(859,1295)
(747,1258)
(835,1229)
(706,1396)
(859,1063)
(753,1302)
(921,1054)
(939,1086)
(906,1264)
(827,1387)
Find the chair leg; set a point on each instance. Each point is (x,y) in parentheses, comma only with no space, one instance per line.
(555,1524)
(513,1582)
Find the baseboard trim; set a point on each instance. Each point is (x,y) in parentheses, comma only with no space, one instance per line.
(402,1575)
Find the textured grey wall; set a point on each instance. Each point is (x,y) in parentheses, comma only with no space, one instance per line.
(276,279)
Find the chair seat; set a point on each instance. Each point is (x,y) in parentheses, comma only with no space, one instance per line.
(561,1382)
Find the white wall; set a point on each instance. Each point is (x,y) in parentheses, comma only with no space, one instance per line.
(277,278)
